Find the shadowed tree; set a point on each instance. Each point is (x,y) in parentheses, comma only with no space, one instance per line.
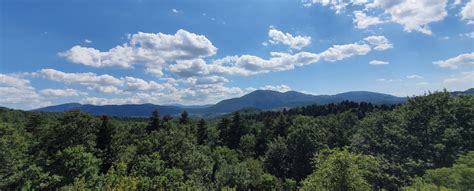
(184,117)
(104,140)
(235,131)
(34,122)
(155,122)
(201,132)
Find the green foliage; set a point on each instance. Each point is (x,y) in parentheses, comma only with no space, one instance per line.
(76,163)
(305,138)
(458,177)
(343,146)
(337,169)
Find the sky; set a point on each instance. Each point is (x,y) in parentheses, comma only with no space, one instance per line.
(200,52)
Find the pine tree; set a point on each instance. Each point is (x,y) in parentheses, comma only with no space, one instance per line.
(223,127)
(281,128)
(104,140)
(236,131)
(201,132)
(34,122)
(184,117)
(155,122)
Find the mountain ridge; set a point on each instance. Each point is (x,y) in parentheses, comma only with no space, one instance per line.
(258,99)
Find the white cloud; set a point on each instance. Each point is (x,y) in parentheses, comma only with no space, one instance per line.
(339,52)
(413,15)
(200,94)
(453,63)
(378,62)
(467,12)
(87,41)
(337,5)
(16,92)
(363,21)
(414,76)
(184,73)
(456,2)
(295,42)
(468,35)
(102,83)
(176,11)
(280,88)
(61,92)
(151,49)
(245,65)
(137,84)
(13,81)
(380,43)
(388,80)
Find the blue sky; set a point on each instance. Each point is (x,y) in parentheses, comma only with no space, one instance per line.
(190,52)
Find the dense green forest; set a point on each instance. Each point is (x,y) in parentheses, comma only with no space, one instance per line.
(424,144)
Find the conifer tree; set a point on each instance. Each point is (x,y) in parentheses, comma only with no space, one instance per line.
(201,132)
(155,121)
(184,117)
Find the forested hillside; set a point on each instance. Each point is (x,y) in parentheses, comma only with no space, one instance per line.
(425,144)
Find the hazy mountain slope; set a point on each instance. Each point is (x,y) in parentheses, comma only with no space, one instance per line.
(259,99)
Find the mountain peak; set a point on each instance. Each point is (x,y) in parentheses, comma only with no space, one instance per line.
(258,99)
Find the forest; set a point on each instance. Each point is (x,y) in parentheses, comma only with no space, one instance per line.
(426,143)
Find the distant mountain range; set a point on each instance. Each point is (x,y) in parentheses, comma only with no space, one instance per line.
(259,99)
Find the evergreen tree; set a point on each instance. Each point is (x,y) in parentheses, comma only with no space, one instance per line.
(155,122)
(201,132)
(235,131)
(34,122)
(224,133)
(184,117)
(281,128)
(104,140)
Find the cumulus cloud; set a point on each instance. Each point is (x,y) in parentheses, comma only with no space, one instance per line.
(87,41)
(339,52)
(467,12)
(185,74)
(378,62)
(363,21)
(380,43)
(18,93)
(337,5)
(101,83)
(151,49)
(412,15)
(455,62)
(245,65)
(200,94)
(295,42)
(61,92)
(280,88)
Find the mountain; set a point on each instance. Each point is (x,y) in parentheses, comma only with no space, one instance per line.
(258,100)
(267,99)
(458,93)
(127,110)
